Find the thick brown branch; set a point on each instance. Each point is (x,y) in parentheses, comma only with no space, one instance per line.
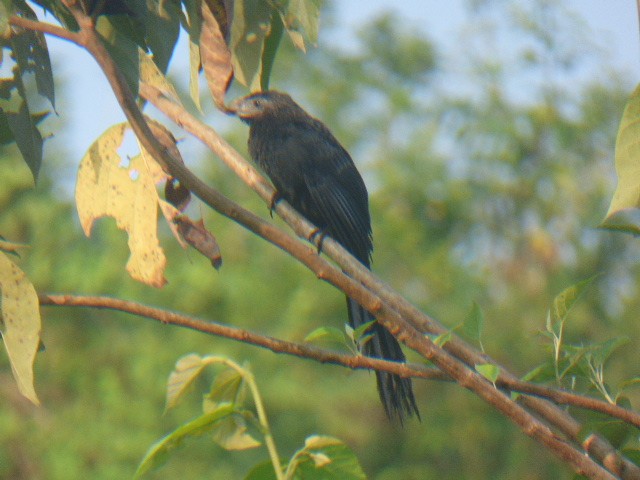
(275,345)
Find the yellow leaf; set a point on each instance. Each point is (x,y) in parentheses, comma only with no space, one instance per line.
(627,194)
(19,324)
(106,187)
(151,75)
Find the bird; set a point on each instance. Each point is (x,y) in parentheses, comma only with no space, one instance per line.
(314,173)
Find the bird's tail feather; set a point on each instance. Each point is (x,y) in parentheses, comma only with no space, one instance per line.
(396,393)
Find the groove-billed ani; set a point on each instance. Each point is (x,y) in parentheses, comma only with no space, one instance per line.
(316,175)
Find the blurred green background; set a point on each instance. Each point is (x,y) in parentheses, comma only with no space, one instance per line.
(477,194)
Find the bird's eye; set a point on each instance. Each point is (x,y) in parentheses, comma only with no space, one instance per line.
(257,102)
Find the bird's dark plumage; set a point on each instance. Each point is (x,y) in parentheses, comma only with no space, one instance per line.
(315,174)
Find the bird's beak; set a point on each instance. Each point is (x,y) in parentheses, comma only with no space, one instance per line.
(234,107)
(245,108)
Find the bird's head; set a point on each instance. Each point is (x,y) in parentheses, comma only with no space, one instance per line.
(265,105)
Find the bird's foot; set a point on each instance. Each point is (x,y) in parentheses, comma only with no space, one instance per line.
(318,234)
(275,198)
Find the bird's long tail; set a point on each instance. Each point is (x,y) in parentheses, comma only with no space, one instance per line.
(396,393)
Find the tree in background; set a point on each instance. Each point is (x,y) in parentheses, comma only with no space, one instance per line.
(484,208)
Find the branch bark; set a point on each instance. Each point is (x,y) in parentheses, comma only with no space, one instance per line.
(354,362)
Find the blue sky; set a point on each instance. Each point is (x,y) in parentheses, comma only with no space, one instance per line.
(90,108)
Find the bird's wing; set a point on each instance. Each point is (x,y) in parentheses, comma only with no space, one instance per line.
(340,199)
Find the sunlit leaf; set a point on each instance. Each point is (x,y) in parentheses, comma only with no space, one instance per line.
(326,334)
(151,75)
(625,221)
(232,434)
(627,194)
(19,324)
(106,187)
(187,369)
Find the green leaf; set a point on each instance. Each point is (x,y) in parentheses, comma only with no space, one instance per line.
(361,332)
(326,334)
(271,44)
(301,18)
(541,373)
(442,339)
(162,27)
(263,471)
(489,371)
(32,55)
(627,194)
(251,23)
(600,352)
(563,302)
(474,323)
(324,458)
(19,324)
(228,387)
(632,454)
(187,369)
(118,34)
(193,26)
(159,452)
(17,122)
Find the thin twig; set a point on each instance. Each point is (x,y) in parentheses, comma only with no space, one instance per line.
(47,28)
(276,345)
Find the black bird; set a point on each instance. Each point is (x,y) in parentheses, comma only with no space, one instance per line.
(315,174)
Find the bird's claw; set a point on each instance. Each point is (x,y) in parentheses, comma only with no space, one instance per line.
(275,198)
(320,234)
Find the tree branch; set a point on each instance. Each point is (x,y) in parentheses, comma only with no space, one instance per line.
(276,345)
(47,28)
